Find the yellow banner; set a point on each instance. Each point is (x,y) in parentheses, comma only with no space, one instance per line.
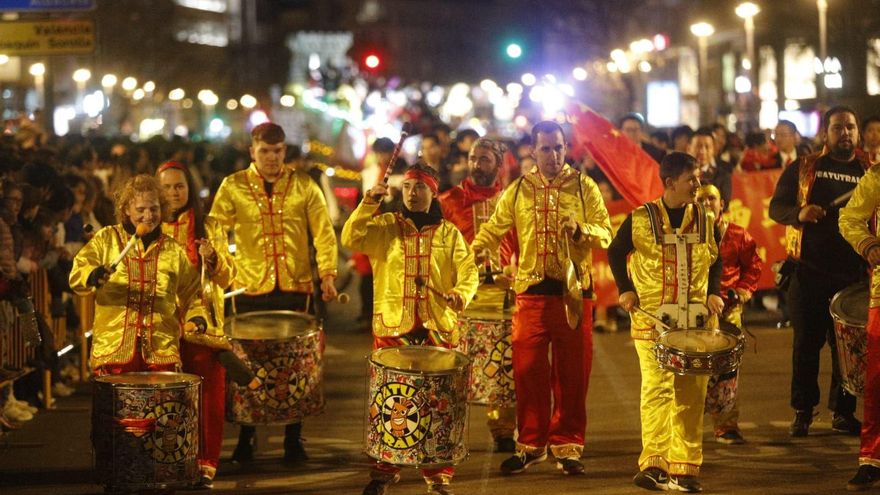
(60,37)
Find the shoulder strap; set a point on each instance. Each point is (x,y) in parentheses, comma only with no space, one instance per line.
(654,218)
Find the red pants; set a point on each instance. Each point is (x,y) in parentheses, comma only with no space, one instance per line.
(382,470)
(562,381)
(202,361)
(870,450)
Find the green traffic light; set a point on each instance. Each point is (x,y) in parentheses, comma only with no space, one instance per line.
(514,50)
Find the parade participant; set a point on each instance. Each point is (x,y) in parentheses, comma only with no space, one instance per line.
(862,210)
(205,244)
(671,405)
(741,269)
(416,302)
(273,212)
(807,200)
(141,302)
(558,214)
(468,206)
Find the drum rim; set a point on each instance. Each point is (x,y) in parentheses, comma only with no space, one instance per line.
(740,343)
(505,317)
(187,380)
(284,312)
(467,360)
(863,285)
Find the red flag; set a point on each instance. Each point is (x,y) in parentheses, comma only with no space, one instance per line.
(631,171)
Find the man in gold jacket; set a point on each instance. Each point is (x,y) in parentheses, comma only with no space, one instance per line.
(423,277)
(273,211)
(558,214)
(862,210)
(141,304)
(674,248)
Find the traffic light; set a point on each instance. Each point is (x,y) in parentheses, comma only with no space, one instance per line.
(372,61)
(513,50)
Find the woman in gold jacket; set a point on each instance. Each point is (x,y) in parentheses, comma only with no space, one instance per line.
(142,302)
(423,276)
(207,250)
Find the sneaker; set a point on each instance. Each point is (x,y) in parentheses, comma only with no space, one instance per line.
(205,483)
(800,425)
(652,478)
(570,465)
(294,452)
(731,437)
(520,461)
(22,405)
(505,444)
(62,390)
(16,414)
(380,487)
(687,484)
(866,477)
(846,423)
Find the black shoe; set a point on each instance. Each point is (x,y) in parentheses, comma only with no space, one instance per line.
(204,483)
(505,444)
(570,465)
(520,461)
(731,437)
(380,487)
(244,451)
(294,452)
(651,478)
(866,477)
(800,426)
(687,484)
(846,423)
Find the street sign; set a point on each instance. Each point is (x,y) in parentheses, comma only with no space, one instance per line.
(45,5)
(61,37)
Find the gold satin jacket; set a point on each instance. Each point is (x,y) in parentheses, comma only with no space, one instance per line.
(536,207)
(400,254)
(148,297)
(652,266)
(272,233)
(862,210)
(218,280)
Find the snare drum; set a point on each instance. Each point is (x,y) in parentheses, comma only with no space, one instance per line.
(284,349)
(417,406)
(849,309)
(487,340)
(698,351)
(146,430)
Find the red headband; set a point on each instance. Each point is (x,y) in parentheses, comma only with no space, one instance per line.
(170,164)
(425,177)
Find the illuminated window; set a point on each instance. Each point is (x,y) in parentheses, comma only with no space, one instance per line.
(203,33)
(767,76)
(664,106)
(688,72)
(219,6)
(873,72)
(800,78)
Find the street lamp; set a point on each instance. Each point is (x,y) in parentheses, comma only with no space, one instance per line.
(81,77)
(702,30)
(748,11)
(129,83)
(823,28)
(248,101)
(38,70)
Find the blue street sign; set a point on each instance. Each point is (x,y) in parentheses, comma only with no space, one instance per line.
(45,5)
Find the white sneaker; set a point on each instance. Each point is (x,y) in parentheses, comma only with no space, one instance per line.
(62,390)
(17,414)
(23,405)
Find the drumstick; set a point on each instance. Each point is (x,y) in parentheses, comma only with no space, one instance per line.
(841,199)
(141,231)
(394,155)
(420,282)
(233,293)
(649,315)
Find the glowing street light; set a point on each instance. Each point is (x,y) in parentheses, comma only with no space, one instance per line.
(149,86)
(108,81)
(176,94)
(702,30)
(82,76)
(38,70)
(748,11)
(287,100)
(129,83)
(529,79)
(247,101)
(579,73)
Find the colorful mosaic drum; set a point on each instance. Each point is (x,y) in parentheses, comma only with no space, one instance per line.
(417,406)
(145,430)
(849,309)
(285,351)
(698,351)
(487,340)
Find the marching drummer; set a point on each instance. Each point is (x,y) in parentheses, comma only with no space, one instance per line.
(556,211)
(672,240)
(206,248)
(741,270)
(468,206)
(273,211)
(141,297)
(864,208)
(424,276)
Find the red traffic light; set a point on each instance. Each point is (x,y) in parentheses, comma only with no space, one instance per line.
(372,61)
